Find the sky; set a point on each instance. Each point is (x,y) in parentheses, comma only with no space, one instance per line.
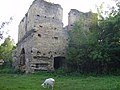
(18,8)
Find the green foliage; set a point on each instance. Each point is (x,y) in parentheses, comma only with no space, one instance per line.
(81,44)
(6,49)
(8,70)
(97,50)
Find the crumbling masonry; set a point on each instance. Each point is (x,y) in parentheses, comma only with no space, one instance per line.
(42,40)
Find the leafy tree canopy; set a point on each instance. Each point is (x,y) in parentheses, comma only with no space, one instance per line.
(6,49)
(97,49)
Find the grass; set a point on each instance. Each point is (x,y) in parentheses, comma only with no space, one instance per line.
(79,82)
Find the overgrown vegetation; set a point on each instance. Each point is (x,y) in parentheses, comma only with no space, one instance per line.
(97,50)
(89,52)
(6,49)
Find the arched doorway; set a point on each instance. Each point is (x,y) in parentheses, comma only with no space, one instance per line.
(58,62)
(22,60)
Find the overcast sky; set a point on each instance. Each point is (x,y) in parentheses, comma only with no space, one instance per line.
(18,8)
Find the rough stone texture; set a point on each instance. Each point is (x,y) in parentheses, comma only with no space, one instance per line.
(75,15)
(41,37)
(42,40)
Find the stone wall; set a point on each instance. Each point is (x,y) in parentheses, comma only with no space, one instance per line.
(42,40)
(75,16)
(41,37)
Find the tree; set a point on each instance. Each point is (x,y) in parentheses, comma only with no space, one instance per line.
(97,50)
(110,39)
(6,49)
(81,43)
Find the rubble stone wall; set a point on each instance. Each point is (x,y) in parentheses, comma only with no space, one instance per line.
(42,40)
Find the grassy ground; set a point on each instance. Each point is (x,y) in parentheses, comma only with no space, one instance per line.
(33,82)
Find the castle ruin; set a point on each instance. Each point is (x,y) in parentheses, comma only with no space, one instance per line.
(42,40)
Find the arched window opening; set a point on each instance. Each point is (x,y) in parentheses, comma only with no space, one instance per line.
(22,57)
(22,60)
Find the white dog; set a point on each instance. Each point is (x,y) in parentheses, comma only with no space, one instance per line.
(48,83)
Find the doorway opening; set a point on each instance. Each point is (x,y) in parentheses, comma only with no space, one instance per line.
(58,62)
(22,60)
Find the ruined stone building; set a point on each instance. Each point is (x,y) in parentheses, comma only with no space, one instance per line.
(42,40)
